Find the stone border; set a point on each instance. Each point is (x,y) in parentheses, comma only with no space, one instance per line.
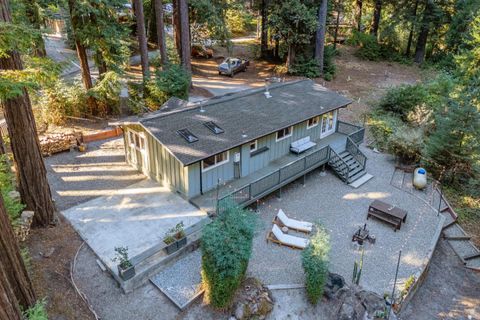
(421,275)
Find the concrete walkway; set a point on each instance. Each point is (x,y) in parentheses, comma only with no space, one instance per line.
(136,217)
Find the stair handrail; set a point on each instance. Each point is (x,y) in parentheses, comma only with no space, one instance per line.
(344,166)
(355,151)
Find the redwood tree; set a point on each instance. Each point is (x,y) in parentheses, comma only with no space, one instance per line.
(264,29)
(162,47)
(31,172)
(424,30)
(142,38)
(185,35)
(320,36)
(82,56)
(11,261)
(9,309)
(358,14)
(377,13)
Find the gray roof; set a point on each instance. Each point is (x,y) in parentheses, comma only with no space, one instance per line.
(243,113)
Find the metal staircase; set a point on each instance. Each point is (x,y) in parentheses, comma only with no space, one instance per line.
(350,164)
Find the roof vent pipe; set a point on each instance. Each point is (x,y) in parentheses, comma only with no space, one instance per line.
(267,93)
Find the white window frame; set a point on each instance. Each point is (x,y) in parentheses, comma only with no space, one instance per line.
(256,146)
(217,164)
(285,136)
(328,130)
(316,121)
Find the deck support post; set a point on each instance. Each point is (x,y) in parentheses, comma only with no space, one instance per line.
(279,193)
(304,176)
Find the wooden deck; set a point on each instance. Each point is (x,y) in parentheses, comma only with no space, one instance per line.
(207,201)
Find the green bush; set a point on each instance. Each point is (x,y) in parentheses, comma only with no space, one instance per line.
(382,125)
(107,93)
(171,82)
(37,312)
(226,249)
(403,99)
(329,68)
(7,183)
(315,263)
(406,143)
(306,68)
(369,48)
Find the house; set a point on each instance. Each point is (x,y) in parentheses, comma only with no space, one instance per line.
(246,144)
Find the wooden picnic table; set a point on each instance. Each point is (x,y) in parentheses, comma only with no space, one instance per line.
(387,213)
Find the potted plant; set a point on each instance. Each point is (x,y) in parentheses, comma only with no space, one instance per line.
(126,269)
(170,241)
(180,235)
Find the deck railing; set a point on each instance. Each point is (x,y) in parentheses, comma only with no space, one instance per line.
(356,133)
(341,166)
(353,149)
(273,181)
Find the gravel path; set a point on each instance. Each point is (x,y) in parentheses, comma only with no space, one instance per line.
(76,177)
(342,209)
(181,281)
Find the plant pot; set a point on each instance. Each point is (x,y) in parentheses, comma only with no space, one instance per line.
(182,242)
(126,274)
(171,248)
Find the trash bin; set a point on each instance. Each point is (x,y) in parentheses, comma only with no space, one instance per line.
(420,178)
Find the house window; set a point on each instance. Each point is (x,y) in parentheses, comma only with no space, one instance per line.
(284,133)
(214,161)
(253,146)
(313,122)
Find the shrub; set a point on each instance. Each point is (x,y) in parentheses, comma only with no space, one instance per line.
(306,68)
(329,68)
(107,93)
(315,264)
(171,82)
(226,248)
(7,183)
(406,143)
(37,312)
(369,48)
(403,99)
(382,125)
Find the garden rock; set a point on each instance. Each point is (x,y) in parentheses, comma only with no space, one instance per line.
(253,301)
(334,283)
(371,301)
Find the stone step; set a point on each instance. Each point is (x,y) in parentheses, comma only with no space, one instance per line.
(361,180)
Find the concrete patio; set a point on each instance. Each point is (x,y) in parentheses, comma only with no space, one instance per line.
(342,209)
(136,217)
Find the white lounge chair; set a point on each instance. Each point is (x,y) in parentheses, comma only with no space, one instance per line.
(277,236)
(297,225)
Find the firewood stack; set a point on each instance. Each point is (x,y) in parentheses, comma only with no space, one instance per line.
(59,142)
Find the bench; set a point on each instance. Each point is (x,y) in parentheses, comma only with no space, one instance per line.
(387,213)
(301,145)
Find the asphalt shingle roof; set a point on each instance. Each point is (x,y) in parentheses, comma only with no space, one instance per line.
(244,116)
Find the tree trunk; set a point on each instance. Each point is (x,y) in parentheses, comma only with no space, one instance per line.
(82,58)
(377,13)
(31,172)
(9,309)
(142,39)
(291,56)
(358,14)
(423,35)
(101,65)
(412,29)
(162,47)
(264,29)
(177,28)
(33,16)
(337,25)
(185,35)
(320,36)
(12,262)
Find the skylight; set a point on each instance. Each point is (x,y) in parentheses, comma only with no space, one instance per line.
(187,135)
(213,127)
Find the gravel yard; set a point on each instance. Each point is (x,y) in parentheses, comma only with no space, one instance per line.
(342,209)
(78,177)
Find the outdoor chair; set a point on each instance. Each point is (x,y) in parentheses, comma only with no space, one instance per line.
(278,237)
(302,145)
(297,225)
